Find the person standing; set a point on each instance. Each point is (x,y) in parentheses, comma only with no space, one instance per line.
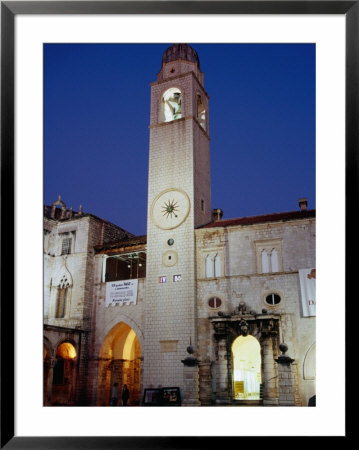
(125,395)
(114,395)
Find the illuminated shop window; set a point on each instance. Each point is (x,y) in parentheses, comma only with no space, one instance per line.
(125,266)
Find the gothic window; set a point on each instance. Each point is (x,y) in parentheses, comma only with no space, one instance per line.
(62,297)
(171,105)
(213,265)
(201,112)
(209,267)
(269,256)
(265,262)
(217,266)
(274,260)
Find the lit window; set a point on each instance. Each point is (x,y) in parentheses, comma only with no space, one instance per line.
(62,297)
(214,302)
(273,299)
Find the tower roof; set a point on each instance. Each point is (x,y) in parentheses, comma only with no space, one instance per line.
(180,51)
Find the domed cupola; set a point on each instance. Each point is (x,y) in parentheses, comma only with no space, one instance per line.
(180,51)
(179,59)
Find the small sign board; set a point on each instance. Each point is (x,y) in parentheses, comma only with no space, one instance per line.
(167,396)
(162,279)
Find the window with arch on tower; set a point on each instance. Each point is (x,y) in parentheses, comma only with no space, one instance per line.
(172,105)
(201,112)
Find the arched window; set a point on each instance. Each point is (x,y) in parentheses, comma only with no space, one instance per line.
(274,260)
(217,266)
(62,297)
(171,105)
(201,112)
(265,262)
(209,267)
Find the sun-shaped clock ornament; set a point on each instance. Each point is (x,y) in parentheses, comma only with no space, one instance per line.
(170,208)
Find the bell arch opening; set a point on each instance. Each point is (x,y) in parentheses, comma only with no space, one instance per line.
(120,362)
(171,105)
(246,375)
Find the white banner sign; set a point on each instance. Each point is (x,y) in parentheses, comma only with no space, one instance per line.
(307,288)
(121,292)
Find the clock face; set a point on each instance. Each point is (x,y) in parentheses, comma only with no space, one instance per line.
(170,208)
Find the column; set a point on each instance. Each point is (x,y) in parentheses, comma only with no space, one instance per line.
(190,380)
(222,395)
(50,377)
(205,383)
(270,394)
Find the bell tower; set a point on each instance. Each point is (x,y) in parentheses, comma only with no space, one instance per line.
(179,200)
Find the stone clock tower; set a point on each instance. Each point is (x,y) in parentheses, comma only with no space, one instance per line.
(179,200)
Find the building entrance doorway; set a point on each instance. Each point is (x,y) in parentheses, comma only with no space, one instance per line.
(119,363)
(246,356)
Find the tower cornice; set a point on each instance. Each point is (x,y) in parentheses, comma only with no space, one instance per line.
(182,75)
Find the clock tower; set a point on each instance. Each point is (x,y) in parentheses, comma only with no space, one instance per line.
(179,200)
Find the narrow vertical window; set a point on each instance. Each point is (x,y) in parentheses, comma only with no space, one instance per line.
(61,302)
(66,246)
(274,260)
(265,265)
(62,298)
(217,266)
(209,267)
(201,112)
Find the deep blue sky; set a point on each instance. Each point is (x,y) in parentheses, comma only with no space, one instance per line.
(96,136)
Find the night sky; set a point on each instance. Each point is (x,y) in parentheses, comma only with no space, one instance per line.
(96,135)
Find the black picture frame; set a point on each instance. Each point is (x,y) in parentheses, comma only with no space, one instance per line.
(9,9)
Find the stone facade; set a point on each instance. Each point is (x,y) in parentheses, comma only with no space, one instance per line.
(228,290)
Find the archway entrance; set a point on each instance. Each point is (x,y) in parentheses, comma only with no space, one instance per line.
(119,363)
(63,383)
(246,377)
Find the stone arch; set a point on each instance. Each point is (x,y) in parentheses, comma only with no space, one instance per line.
(246,367)
(171,104)
(119,362)
(60,203)
(64,373)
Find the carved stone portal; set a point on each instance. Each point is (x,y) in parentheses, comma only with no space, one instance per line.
(243,322)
